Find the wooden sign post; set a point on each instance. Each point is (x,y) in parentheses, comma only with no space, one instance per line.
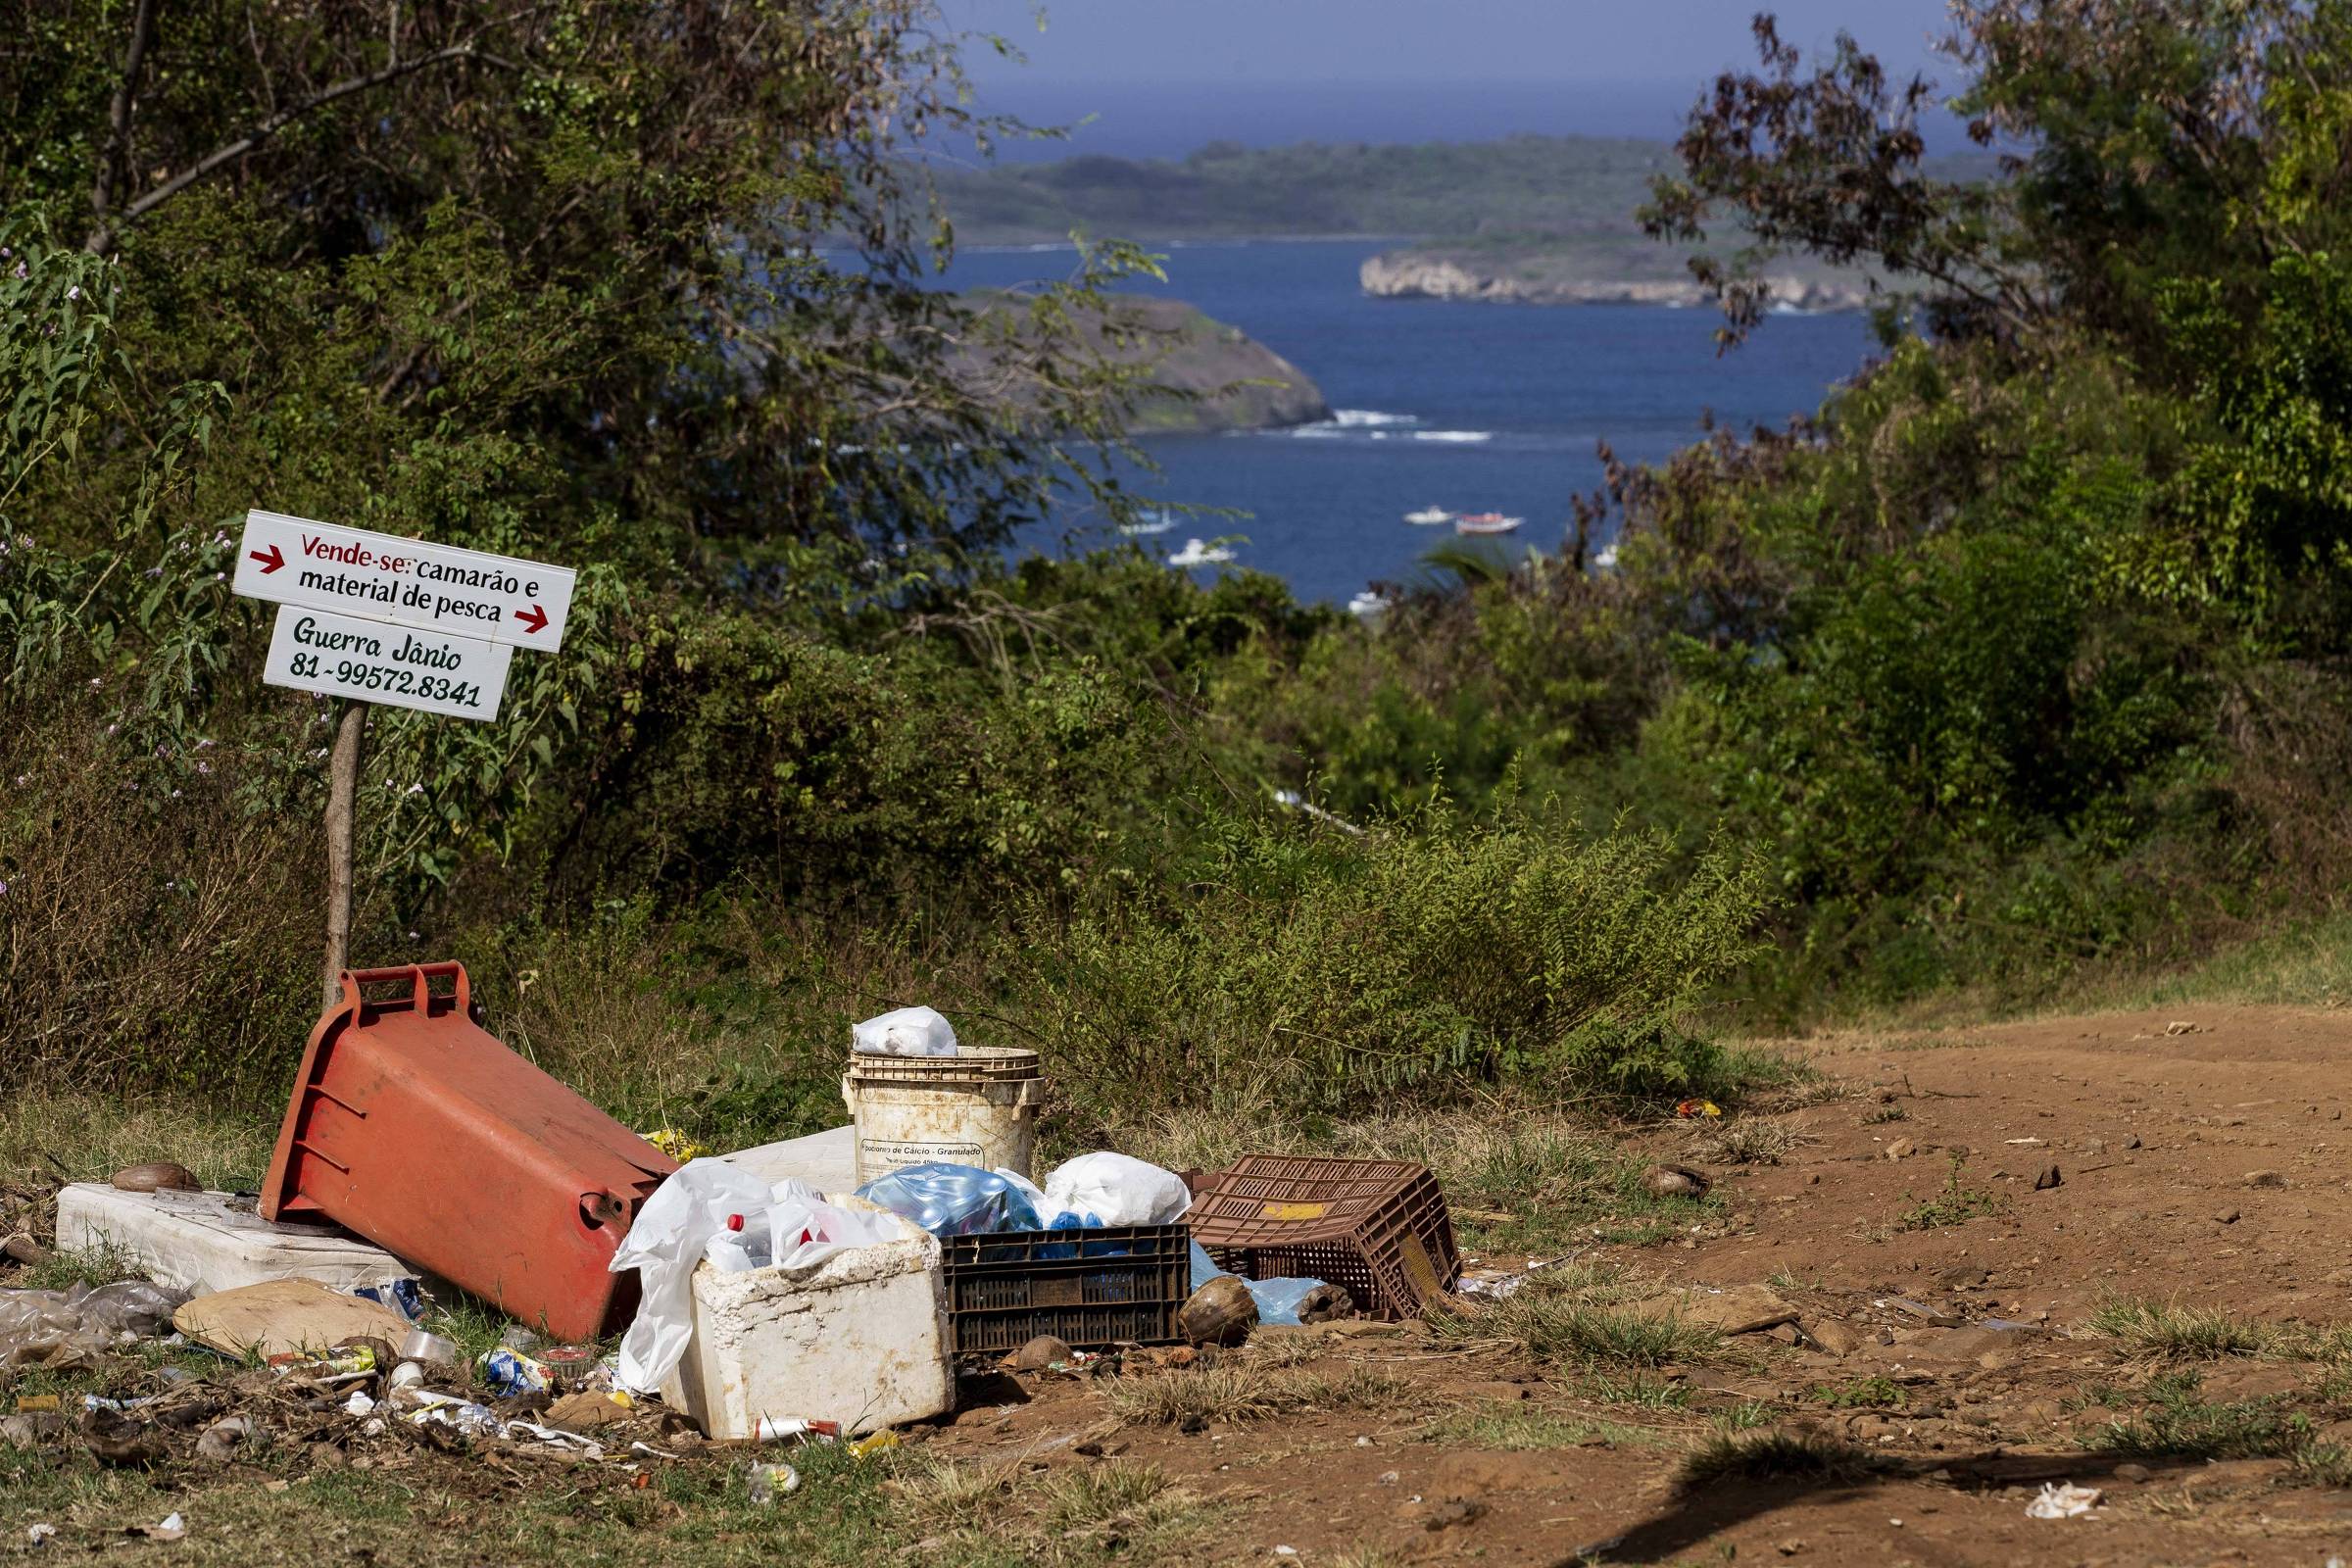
(373,617)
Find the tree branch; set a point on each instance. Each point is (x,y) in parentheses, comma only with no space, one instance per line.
(252,140)
(118,140)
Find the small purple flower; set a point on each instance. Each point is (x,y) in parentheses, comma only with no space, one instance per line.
(97,682)
(110,728)
(3,890)
(412,935)
(73,291)
(415,789)
(21,269)
(219,576)
(176,795)
(155,571)
(204,767)
(24,779)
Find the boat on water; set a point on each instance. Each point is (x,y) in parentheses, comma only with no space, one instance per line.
(1429,516)
(1485,522)
(1367,605)
(1200,552)
(1149,520)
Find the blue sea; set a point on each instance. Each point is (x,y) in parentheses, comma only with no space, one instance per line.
(1462,406)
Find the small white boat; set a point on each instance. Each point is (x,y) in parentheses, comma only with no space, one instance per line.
(1606,560)
(1367,605)
(1149,520)
(1485,522)
(1200,552)
(1429,516)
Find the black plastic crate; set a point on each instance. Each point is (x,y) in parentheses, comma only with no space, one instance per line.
(1120,1284)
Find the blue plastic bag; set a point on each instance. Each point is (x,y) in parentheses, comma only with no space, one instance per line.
(1277,1300)
(953,1200)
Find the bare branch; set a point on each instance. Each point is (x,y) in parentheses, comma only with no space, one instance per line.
(118,140)
(252,140)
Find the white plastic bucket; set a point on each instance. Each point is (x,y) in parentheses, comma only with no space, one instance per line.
(976,1108)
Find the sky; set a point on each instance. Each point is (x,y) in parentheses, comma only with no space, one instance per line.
(1162,76)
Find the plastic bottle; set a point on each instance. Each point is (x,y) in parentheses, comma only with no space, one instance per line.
(735,1249)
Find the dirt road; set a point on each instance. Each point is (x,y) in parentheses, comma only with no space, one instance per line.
(1943,1289)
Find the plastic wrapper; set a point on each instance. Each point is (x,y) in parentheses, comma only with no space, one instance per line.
(804,1230)
(71,1327)
(908,1032)
(1105,1187)
(953,1200)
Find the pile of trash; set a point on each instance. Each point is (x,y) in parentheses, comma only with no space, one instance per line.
(822,1289)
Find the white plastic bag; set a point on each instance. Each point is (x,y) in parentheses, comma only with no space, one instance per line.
(663,1246)
(805,1230)
(1115,1190)
(908,1032)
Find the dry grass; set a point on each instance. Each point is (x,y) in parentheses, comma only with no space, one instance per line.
(1744,1140)
(949,1496)
(1233,1394)
(87,1135)
(2175,1333)
(1574,1316)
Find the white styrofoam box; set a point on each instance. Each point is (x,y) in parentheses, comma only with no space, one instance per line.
(205,1242)
(860,1338)
(826,1161)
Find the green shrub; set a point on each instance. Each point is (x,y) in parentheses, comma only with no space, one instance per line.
(1337,969)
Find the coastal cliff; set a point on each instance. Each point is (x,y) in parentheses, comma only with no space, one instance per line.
(1507,279)
(1206,376)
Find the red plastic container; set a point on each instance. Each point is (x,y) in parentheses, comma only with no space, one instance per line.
(414,1127)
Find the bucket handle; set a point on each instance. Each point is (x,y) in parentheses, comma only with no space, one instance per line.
(418,975)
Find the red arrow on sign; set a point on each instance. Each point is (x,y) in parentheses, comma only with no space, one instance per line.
(271,562)
(534,617)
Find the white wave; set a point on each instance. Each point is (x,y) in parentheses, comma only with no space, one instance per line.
(1313,433)
(1454,435)
(1350,419)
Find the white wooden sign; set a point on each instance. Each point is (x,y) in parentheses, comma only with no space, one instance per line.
(383,577)
(377,661)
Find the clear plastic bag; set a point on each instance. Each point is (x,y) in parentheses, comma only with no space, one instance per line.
(908,1032)
(953,1200)
(76,1326)
(1105,1187)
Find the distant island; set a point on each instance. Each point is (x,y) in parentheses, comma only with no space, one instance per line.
(1530,219)
(1210,376)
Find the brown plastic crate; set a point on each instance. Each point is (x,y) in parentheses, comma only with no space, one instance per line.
(1377,1228)
(1116,1285)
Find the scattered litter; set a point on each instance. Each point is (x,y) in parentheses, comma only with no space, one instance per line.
(39,1535)
(174,1528)
(1922,1310)
(663,1246)
(1697,1107)
(418,1346)
(408,1375)
(779,1429)
(768,1482)
(2023,1143)
(2062,1499)
(2182,1026)
(866,1448)
(74,1327)
(675,1144)
(358,1403)
(907,1032)
(511,1372)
